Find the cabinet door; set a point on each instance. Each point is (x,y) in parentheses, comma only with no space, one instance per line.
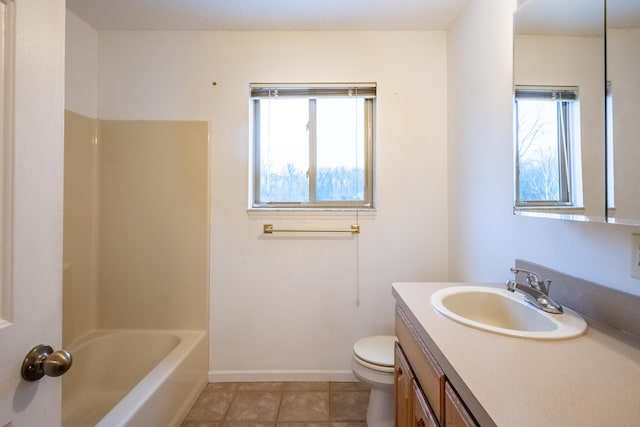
(457,415)
(423,416)
(424,365)
(403,388)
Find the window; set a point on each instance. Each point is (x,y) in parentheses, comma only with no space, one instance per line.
(547,123)
(313,146)
(611,194)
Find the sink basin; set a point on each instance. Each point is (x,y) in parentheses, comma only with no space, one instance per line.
(502,312)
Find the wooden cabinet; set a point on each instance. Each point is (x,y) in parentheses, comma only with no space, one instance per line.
(427,372)
(456,414)
(403,383)
(412,408)
(423,416)
(433,401)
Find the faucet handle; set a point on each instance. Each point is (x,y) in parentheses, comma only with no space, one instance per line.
(533,279)
(531,276)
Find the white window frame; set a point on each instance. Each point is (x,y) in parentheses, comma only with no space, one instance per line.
(567,100)
(261,91)
(610,162)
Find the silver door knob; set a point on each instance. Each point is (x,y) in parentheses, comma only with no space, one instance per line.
(42,360)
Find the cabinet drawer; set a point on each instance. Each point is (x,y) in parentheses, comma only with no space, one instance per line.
(425,368)
(456,413)
(423,415)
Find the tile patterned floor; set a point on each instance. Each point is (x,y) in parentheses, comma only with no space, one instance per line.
(280,404)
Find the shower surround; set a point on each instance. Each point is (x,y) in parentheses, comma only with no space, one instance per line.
(136,232)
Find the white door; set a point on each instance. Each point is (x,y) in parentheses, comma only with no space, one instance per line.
(32,111)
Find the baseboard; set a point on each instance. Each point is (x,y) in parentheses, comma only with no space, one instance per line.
(284,376)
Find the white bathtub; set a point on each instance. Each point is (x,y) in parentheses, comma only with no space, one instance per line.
(133,378)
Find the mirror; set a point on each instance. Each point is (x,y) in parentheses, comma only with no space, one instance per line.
(559,109)
(623,102)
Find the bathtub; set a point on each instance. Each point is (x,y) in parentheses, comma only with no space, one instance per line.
(133,378)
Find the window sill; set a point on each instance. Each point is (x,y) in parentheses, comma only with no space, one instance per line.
(320,212)
(574,209)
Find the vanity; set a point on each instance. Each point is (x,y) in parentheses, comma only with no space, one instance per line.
(451,374)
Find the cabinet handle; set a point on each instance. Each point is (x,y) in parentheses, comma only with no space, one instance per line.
(421,423)
(407,386)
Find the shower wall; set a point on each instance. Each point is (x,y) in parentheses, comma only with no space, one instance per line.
(153,227)
(136,225)
(80,226)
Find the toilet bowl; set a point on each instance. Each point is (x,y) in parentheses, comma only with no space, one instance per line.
(372,363)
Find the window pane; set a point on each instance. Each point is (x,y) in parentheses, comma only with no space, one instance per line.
(538,166)
(313,146)
(284,150)
(340,149)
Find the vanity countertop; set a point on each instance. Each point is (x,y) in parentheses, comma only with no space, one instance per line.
(592,380)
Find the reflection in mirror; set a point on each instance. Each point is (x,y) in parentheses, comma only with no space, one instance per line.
(547,123)
(623,104)
(559,104)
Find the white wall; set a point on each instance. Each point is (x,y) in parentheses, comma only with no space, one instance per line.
(287,307)
(484,237)
(81,67)
(480,143)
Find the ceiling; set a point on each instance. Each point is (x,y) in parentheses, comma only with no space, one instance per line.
(575,17)
(568,17)
(318,15)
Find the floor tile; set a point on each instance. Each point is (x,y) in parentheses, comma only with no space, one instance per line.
(307,385)
(247,424)
(280,404)
(254,406)
(201,424)
(303,424)
(304,406)
(349,405)
(349,386)
(211,406)
(262,386)
(221,386)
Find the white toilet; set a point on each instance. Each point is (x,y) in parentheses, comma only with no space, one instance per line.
(372,364)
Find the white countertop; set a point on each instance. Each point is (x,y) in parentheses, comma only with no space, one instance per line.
(592,380)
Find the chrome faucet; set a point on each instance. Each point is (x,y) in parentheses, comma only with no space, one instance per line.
(536,291)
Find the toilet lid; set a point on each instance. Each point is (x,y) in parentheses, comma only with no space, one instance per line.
(377,350)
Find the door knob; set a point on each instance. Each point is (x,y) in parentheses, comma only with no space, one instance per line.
(42,360)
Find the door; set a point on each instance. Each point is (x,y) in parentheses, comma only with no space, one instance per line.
(32,111)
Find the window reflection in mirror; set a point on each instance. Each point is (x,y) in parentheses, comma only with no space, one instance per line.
(547,147)
(560,44)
